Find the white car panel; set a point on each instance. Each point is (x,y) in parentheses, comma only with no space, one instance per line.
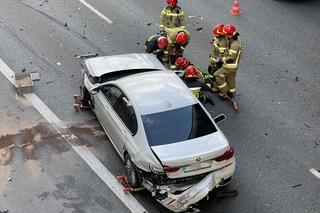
(157,91)
(99,66)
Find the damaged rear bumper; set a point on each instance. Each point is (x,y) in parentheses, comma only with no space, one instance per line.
(179,202)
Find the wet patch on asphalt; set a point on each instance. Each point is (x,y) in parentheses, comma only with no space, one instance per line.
(31,143)
(88,132)
(43,139)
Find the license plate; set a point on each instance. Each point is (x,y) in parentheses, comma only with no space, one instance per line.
(197,166)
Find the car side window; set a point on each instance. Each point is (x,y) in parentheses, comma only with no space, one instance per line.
(120,104)
(112,94)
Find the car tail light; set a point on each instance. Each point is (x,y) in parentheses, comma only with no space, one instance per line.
(227,155)
(169,169)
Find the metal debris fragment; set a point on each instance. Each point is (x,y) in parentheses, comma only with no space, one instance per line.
(88,55)
(298,185)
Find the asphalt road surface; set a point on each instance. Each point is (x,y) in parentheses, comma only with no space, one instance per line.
(276,134)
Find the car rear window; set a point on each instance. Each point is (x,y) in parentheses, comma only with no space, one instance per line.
(177,125)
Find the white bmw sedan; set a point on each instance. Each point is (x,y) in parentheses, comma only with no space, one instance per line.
(167,139)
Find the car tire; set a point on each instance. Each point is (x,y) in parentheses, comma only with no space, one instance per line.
(85,96)
(132,173)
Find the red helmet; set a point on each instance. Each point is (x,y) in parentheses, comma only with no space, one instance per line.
(229,30)
(182,62)
(182,38)
(217,30)
(162,42)
(190,72)
(172,2)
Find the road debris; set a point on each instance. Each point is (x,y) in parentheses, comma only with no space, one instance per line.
(66,24)
(296,79)
(196,16)
(6,211)
(88,55)
(58,63)
(35,76)
(199,29)
(10,179)
(49,82)
(23,69)
(149,24)
(23,83)
(295,186)
(138,43)
(307,125)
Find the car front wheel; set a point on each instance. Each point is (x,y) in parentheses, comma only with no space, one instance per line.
(133,175)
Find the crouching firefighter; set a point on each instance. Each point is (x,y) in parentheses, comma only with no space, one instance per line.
(178,39)
(198,87)
(157,44)
(225,77)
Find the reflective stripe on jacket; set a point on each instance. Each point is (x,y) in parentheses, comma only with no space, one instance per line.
(233,57)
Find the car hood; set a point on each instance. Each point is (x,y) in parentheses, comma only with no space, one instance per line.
(192,151)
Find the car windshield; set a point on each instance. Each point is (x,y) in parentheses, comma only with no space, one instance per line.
(177,125)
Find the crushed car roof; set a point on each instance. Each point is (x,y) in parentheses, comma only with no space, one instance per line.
(99,66)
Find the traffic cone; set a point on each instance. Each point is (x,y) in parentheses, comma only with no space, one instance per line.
(235,9)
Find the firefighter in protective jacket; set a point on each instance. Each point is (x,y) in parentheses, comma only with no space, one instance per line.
(171,16)
(157,44)
(178,39)
(197,86)
(225,77)
(219,49)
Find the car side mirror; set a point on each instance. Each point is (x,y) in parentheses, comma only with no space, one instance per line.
(94,91)
(219,118)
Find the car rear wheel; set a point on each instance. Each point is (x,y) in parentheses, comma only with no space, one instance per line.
(133,175)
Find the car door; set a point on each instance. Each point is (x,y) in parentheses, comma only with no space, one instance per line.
(117,117)
(105,100)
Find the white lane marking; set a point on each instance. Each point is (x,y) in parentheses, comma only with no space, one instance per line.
(7,72)
(96,11)
(315,172)
(103,173)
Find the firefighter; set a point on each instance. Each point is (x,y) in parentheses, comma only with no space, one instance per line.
(219,47)
(182,63)
(177,40)
(171,17)
(156,44)
(198,87)
(225,77)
